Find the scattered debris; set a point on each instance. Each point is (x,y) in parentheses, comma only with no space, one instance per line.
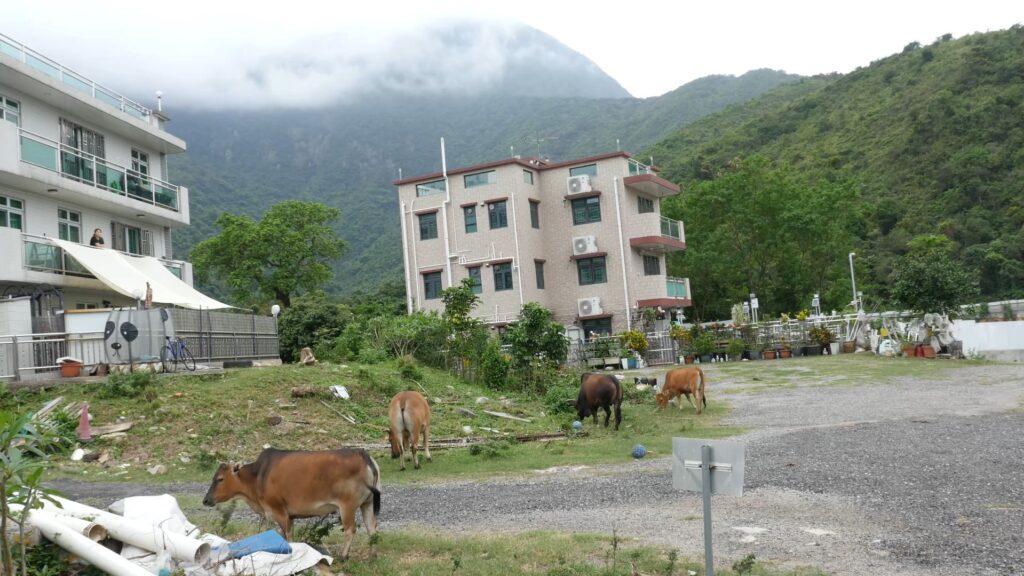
(506,416)
(304,391)
(273,420)
(306,357)
(818,532)
(482,399)
(467,429)
(350,419)
(109,429)
(340,392)
(157,470)
(467,412)
(77,455)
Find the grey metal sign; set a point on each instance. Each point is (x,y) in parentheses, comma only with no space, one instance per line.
(727,465)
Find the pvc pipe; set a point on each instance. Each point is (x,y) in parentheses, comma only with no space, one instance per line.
(90,530)
(405,258)
(622,252)
(61,534)
(146,536)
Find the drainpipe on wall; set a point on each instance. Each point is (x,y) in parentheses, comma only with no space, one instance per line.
(405,259)
(622,250)
(444,216)
(515,236)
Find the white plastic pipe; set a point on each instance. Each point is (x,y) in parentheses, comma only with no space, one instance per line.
(55,530)
(90,530)
(145,536)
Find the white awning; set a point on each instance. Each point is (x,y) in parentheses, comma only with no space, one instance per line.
(128,275)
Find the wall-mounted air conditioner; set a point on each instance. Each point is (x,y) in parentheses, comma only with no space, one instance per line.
(578,184)
(584,245)
(589,306)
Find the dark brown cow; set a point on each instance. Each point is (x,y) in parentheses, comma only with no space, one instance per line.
(288,484)
(599,391)
(409,415)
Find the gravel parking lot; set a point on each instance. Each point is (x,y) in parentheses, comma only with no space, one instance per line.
(911,477)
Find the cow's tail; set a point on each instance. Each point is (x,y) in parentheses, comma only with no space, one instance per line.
(703,392)
(373,486)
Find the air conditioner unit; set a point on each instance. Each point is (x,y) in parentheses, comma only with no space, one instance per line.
(584,245)
(578,184)
(589,306)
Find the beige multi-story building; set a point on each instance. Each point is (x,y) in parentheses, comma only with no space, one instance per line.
(76,157)
(584,238)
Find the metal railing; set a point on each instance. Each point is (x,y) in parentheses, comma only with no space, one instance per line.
(24,356)
(637,168)
(39,254)
(677,287)
(87,168)
(72,79)
(673,229)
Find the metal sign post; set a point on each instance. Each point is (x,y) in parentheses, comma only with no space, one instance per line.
(709,467)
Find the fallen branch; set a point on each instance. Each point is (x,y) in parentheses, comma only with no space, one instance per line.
(507,416)
(350,419)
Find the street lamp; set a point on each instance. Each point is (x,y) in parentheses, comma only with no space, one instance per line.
(853,284)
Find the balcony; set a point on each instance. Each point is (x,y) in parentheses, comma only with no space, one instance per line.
(83,167)
(41,256)
(643,179)
(672,238)
(677,295)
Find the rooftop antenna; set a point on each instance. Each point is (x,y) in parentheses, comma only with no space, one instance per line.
(159,101)
(399,173)
(512,151)
(618,148)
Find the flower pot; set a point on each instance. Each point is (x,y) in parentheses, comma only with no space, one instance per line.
(849,346)
(908,350)
(70,369)
(833,348)
(769,354)
(754,354)
(812,350)
(705,358)
(928,351)
(785,353)
(689,359)
(631,363)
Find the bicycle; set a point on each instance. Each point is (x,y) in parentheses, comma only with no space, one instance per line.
(176,351)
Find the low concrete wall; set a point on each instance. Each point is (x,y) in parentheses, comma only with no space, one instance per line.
(993,340)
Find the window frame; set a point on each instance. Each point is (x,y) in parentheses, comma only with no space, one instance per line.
(538,271)
(496,218)
(590,212)
(428,224)
(9,107)
(66,223)
(535,215)
(473,273)
(648,266)
(8,209)
(527,176)
(474,180)
(586,169)
(430,188)
(644,205)
(595,274)
(603,326)
(505,271)
(468,211)
(428,284)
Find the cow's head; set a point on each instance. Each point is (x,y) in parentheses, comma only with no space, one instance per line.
(662,399)
(396,443)
(225,485)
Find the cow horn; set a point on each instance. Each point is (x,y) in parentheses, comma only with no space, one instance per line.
(235,467)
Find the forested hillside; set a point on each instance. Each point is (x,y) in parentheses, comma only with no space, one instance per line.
(928,141)
(347,155)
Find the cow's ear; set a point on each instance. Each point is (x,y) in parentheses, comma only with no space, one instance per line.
(236,467)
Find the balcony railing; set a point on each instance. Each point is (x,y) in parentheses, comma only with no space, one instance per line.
(72,79)
(39,254)
(677,287)
(84,167)
(673,229)
(637,168)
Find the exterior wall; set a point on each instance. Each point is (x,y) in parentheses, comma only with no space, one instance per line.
(552,243)
(993,340)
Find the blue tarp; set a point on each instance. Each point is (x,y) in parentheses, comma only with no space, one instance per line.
(269,541)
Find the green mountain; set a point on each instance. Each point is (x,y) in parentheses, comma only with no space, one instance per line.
(347,155)
(931,138)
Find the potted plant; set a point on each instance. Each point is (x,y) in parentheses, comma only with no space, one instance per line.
(784,348)
(768,351)
(636,343)
(704,345)
(907,345)
(684,338)
(820,337)
(735,349)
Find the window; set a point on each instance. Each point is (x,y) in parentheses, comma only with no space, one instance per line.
(140,162)
(538,267)
(10,110)
(480,179)
(586,210)
(69,225)
(428,226)
(496,212)
(528,177)
(591,271)
(81,138)
(535,214)
(652,266)
(589,170)
(469,212)
(474,274)
(12,213)
(502,277)
(602,326)
(432,286)
(644,205)
(131,239)
(430,188)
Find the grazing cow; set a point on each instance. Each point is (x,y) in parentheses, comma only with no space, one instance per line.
(409,415)
(599,391)
(683,382)
(288,484)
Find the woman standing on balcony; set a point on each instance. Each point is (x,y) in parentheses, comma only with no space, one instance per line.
(97,238)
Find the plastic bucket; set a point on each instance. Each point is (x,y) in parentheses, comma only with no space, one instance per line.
(70,369)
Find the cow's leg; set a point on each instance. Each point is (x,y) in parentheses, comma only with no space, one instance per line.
(618,414)
(607,414)
(690,400)
(369,518)
(426,442)
(411,437)
(402,447)
(284,521)
(348,523)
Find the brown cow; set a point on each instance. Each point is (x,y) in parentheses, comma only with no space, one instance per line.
(409,415)
(683,382)
(288,484)
(599,391)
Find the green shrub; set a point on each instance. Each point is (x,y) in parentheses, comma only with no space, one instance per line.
(373,355)
(494,366)
(310,321)
(735,348)
(127,385)
(561,399)
(490,449)
(408,368)
(704,343)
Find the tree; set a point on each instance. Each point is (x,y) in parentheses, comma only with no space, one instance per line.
(535,337)
(311,321)
(927,279)
(286,253)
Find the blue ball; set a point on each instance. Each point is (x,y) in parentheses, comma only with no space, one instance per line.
(577,425)
(639,451)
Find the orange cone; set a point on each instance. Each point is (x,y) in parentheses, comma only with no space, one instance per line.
(83,424)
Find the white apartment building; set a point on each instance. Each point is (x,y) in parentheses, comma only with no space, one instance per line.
(76,156)
(584,238)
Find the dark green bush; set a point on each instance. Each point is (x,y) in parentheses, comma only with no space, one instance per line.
(310,321)
(494,366)
(127,385)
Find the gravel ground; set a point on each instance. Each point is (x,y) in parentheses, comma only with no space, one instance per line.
(912,478)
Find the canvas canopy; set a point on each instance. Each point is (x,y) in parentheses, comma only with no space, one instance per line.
(128,275)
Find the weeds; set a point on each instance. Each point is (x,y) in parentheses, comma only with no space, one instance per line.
(226,512)
(745,565)
(490,449)
(127,385)
(315,532)
(670,568)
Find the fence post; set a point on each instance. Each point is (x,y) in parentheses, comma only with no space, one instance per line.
(17,369)
(254,334)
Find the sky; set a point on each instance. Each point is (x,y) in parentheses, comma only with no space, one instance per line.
(221,53)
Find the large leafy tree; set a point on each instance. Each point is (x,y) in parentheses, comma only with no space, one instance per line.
(287,252)
(928,279)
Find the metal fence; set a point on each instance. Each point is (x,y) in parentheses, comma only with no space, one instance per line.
(27,356)
(218,336)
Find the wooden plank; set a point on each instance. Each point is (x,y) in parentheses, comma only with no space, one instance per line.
(112,428)
(506,416)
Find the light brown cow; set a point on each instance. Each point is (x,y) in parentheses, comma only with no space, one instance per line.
(288,484)
(681,382)
(409,415)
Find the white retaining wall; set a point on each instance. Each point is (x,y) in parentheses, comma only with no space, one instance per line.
(993,340)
